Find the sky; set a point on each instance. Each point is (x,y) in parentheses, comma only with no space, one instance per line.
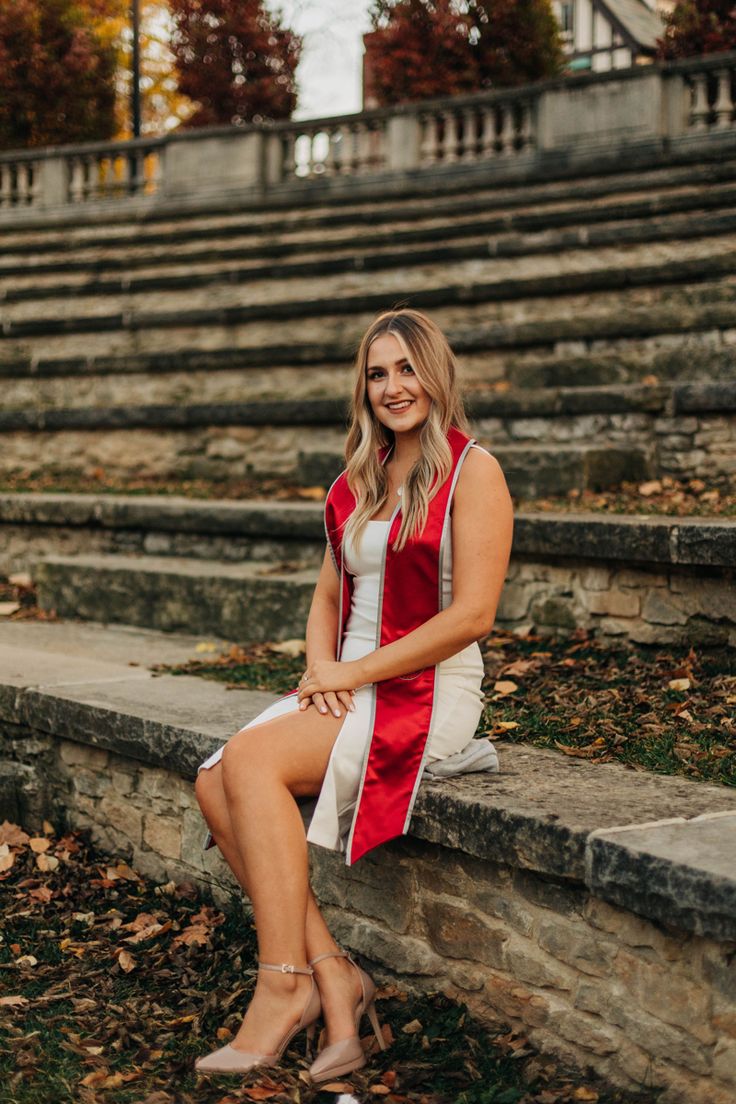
(329,75)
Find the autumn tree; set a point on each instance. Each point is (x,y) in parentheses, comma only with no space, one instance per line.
(422,48)
(698,27)
(56,73)
(235,60)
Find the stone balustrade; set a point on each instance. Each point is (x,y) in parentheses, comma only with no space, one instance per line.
(565,121)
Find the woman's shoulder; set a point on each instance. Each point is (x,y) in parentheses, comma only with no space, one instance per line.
(480,474)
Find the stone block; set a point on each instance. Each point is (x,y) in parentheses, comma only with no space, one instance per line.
(560,896)
(617,603)
(380,886)
(724,1061)
(574,944)
(636,931)
(666,994)
(589,1032)
(513,1000)
(163,835)
(122,782)
(595,578)
(613,1004)
(675,870)
(121,816)
(90,782)
(527,963)
(458,933)
(663,609)
(401,954)
(555,612)
(83,755)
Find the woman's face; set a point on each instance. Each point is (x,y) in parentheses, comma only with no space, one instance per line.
(396,396)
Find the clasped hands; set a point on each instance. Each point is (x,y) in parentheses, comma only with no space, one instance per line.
(318,684)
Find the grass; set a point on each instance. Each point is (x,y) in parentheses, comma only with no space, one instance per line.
(111,984)
(665,709)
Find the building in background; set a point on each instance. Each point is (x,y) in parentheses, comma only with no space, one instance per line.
(610,34)
(598,35)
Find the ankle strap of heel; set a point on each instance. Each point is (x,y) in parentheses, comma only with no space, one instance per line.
(328,954)
(286,968)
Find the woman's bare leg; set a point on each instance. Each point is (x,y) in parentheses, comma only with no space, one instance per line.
(262,770)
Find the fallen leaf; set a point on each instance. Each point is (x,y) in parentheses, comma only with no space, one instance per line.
(652,487)
(291,648)
(505,687)
(13,1001)
(13,834)
(413,1027)
(6,608)
(39,844)
(46,862)
(679,684)
(126,961)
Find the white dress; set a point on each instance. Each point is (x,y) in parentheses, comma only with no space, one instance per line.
(458,703)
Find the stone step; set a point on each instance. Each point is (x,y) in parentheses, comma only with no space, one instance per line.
(548,440)
(276,531)
(477,279)
(648,579)
(81,695)
(699,356)
(539,313)
(44,406)
(248,601)
(535,201)
(683,340)
(143,269)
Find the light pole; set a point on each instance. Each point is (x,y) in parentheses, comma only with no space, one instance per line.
(136,91)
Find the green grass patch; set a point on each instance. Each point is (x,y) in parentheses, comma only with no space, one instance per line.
(665,709)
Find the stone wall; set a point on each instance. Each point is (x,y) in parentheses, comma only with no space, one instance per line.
(648,579)
(644,604)
(522,937)
(643,1003)
(702,446)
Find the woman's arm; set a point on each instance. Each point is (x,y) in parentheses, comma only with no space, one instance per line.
(322,629)
(482,531)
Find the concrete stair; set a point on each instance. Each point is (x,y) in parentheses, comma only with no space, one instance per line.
(248,601)
(246,570)
(593,321)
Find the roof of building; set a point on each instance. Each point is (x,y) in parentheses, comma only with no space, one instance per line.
(635,20)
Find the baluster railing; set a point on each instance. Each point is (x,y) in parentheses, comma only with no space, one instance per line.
(724,104)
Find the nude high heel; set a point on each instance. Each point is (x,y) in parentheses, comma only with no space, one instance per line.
(228,1059)
(348,1054)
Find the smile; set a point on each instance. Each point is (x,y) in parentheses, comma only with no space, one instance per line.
(399,406)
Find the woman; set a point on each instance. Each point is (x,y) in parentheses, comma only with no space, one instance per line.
(419,530)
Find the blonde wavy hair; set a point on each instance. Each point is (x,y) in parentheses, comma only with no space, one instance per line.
(429,354)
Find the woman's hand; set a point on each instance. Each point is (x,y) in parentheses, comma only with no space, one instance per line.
(326,684)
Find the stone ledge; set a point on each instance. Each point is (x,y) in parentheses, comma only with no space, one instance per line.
(553,286)
(544,812)
(643,322)
(517,240)
(683,870)
(541,402)
(689,541)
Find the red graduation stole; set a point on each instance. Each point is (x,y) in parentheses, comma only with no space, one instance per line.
(410,593)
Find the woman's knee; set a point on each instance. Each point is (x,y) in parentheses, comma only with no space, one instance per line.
(208,787)
(244,759)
